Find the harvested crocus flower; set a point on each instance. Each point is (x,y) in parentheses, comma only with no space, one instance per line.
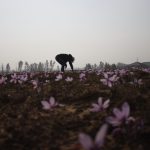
(87,142)
(100,105)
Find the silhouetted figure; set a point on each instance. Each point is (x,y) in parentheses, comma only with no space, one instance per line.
(63,59)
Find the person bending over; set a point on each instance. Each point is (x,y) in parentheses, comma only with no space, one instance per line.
(62,59)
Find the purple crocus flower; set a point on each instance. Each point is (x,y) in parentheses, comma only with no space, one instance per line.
(49,105)
(22,78)
(122,72)
(3,80)
(120,116)
(138,81)
(69,79)
(109,80)
(35,84)
(58,77)
(14,78)
(100,105)
(82,76)
(146,70)
(87,142)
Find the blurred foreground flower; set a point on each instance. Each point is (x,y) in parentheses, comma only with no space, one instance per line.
(87,142)
(100,105)
(49,105)
(121,116)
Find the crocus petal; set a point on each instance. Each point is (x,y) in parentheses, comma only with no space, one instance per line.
(106,103)
(57,79)
(94,109)
(95,106)
(113,121)
(130,119)
(52,101)
(104,81)
(100,101)
(61,105)
(109,84)
(126,109)
(118,113)
(100,136)
(45,104)
(112,79)
(105,75)
(86,141)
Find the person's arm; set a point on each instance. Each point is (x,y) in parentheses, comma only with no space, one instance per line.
(71,65)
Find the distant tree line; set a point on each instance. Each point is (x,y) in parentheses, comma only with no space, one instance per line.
(48,66)
(102,65)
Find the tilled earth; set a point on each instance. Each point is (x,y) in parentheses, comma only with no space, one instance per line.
(25,125)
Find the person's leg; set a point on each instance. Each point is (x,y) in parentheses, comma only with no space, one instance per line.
(62,68)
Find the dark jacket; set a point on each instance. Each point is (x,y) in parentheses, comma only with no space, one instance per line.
(63,59)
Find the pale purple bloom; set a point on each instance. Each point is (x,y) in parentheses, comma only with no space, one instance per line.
(146,70)
(110,73)
(50,104)
(100,105)
(82,76)
(3,80)
(46,75)
(109,80)
(32,75)
(22,78)
(138,81)
(122,72)
(87,142)
(120,116)
(14,78)
(35,84)
(58,77)
(99,72)
(47,81)
(69,79)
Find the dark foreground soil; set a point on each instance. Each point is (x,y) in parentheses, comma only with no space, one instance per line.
(24,125)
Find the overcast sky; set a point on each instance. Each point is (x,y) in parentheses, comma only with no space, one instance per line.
(91,30)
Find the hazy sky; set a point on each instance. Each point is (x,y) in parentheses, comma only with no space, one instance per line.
(91,30)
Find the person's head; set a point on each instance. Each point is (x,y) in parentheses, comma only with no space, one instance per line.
(71,58)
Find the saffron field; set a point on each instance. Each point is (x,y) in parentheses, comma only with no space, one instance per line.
(80,110)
